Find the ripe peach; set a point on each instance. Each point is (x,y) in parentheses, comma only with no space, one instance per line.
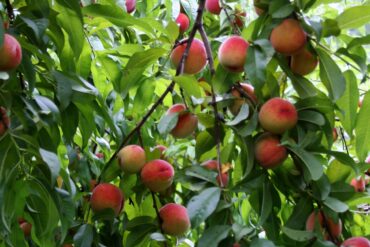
(92,184)
(6,25)
(240,99)
(183,21)
(213,166)
(356,242)
(161,149)
(10,53)
(4,121)
(233,53)
(100,155)
(358,184)
(187,122)
(130,5)
(278,115)
(334,228)
(175,219)
(268,151)
(303,62)
(157,175)
(197,57)
(131,158)
(106,196)
(213,6)
(25,226)
(288,37)
(335,134)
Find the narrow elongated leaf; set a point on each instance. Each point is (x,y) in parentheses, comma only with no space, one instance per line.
(51,159)
(335,205)
(354,17)
(313,165)
(213,235)
(84,236)
(362,129)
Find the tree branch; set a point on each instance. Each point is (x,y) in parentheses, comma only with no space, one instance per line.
(10,11)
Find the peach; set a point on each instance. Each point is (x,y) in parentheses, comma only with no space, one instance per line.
(4,121)
(367,159)
(175,219)
(183,21)
(288,37)
(236,245)
(130,5)
(100,155)
(131,158)
(186,124)
(6,25)
(105,196)
(241,99)
(278,115)
(335,134)
(303,62)
(157,175)
(213,6)
(233,53)
(356,242)
(268,151)
(161,149)
(10,53)
(213,166)
(334,228)
(197,57)
(25,226)
(360,103)
(358,184)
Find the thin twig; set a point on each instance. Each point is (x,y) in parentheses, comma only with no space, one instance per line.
(10,11)
(343,140)
(233,26)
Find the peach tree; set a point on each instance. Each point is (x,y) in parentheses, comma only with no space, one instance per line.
(184,123)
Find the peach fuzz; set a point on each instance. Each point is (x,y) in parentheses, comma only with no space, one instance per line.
(213,6)
(183,21)
(131,158)
(10,53)
(106,196)
(175,219)
(186,124)
(197,57)
(356,242)
(233,53)
(157,175)
(213,166)
(268,151)
(303,62)
(241,99)
(334,228)
(278,115)
(130,5)
(288,37)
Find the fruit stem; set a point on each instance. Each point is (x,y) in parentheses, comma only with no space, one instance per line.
(234,27)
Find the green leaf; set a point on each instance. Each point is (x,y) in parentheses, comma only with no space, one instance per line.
(313,165)
(167,123)
(257,242)
(51,159)
(362,129)
(354,17)
(84,236)
(311,117)
(331,76)
(298,235)
(242,115)
(203,205)
(267,205)
(338,171)
(280,9)
(189,84)
(213,235)
(348,102)
(335,205)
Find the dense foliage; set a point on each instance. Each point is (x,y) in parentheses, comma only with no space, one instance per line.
(94,78)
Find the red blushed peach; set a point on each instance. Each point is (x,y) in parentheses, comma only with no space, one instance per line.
(356,242)
(334,228)
(4,121)
(157,175)
(303,62)
(10,53)
(240,99)
(25,226)
(213,166)
(213,6)
(358,184)
(183,21)
(335,134)
(186,124)
(130,5)
(288,37)
(233,53)
(131,158)
(268,151)
(197,57)
(278,115)
(175,219)
(105,196)
(161,149)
